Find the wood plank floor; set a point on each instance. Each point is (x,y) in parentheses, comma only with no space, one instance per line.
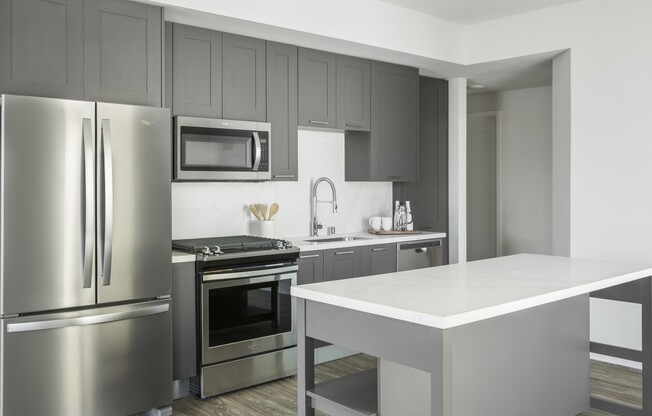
(615,383)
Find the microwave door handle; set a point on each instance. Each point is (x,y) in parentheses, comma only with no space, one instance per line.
(107,223)
(258,151)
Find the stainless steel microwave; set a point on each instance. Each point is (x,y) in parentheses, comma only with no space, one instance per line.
(207,149)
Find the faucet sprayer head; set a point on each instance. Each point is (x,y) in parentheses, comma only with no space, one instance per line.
(334,207)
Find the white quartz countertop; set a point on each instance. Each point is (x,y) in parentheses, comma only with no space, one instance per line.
(181,257)
(453,295)
(363,239)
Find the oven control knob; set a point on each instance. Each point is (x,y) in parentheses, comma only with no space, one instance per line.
(287,244)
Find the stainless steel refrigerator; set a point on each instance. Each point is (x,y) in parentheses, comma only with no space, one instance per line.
(85,250)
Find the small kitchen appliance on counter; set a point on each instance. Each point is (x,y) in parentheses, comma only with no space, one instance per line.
(246,318)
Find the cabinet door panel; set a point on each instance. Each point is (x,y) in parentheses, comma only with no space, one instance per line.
(342,263)
(122,52)
(197,72)
(317,88)
(282,109)
(311,267)
(353,93)
(244,78)
(395,122)
(41,48)
(378,259)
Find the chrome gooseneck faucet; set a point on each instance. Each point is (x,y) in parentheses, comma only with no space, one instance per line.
(316,226)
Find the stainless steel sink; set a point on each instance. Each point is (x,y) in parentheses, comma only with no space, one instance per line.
(333,239)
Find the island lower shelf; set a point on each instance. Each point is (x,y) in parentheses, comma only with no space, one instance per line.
(352,395)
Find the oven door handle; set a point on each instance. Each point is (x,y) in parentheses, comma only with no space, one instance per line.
(210,277)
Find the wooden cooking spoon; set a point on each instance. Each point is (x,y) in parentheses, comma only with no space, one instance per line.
(263,211)
(254,210)
(273,210)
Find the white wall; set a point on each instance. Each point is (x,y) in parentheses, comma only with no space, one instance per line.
(611,137)
(218,209)
(525,166)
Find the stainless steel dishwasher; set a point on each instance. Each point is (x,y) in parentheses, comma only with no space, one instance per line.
(419,254)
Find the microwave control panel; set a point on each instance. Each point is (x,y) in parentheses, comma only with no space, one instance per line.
(264,157)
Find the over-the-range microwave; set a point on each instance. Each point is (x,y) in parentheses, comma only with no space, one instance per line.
(207,149)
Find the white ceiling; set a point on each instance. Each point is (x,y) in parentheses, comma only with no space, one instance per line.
(475,11)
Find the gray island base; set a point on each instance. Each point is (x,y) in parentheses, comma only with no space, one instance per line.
(529,359)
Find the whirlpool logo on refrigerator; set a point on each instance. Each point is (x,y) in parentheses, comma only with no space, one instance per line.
(147,122)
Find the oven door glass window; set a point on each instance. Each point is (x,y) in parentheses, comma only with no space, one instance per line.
(240,313)
(216,149)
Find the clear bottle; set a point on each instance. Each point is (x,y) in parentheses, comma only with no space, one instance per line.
(397,205)
(409,226)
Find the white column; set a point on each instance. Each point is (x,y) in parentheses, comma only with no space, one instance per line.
(457,170)
(561,136)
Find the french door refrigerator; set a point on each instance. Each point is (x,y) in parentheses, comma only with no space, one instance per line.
(85,250)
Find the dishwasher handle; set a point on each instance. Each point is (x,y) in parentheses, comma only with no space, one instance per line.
(419,246)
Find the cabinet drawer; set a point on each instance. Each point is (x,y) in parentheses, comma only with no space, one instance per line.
(378,259)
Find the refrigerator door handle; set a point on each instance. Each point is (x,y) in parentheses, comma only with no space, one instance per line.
(107,207)
(88,320)
(88,196)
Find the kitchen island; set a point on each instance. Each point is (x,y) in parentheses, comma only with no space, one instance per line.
(507,336)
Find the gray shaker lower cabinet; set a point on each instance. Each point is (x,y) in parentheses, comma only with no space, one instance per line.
(378,259)
(196,72)
(353,93)
(184,335)
(243,78)
(122,52)
(42,48)
(311,267)
(342,263)
(317,88)
(282,110)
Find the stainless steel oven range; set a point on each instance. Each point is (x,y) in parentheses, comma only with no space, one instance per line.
(245,314)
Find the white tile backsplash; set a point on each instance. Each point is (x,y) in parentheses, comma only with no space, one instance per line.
(221,208)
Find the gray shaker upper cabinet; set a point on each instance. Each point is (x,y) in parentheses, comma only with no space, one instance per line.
(282,109)
(122,52)
(394,123)
(317,88)
(196,72)
(41,48)
(243,82)
(353,93)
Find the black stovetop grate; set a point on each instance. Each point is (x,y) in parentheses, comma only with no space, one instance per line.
(237,243)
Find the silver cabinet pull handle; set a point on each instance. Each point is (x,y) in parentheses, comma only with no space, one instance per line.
(354,124)
(379,249)
(258,151)
(87,320)
(88,195)
(107,226)
(321,123)
(284,176)
(341,253)
(309,256)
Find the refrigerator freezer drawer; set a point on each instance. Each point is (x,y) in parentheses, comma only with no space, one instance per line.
(105,361)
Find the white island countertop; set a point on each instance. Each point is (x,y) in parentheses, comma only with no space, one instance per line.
(453,295)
